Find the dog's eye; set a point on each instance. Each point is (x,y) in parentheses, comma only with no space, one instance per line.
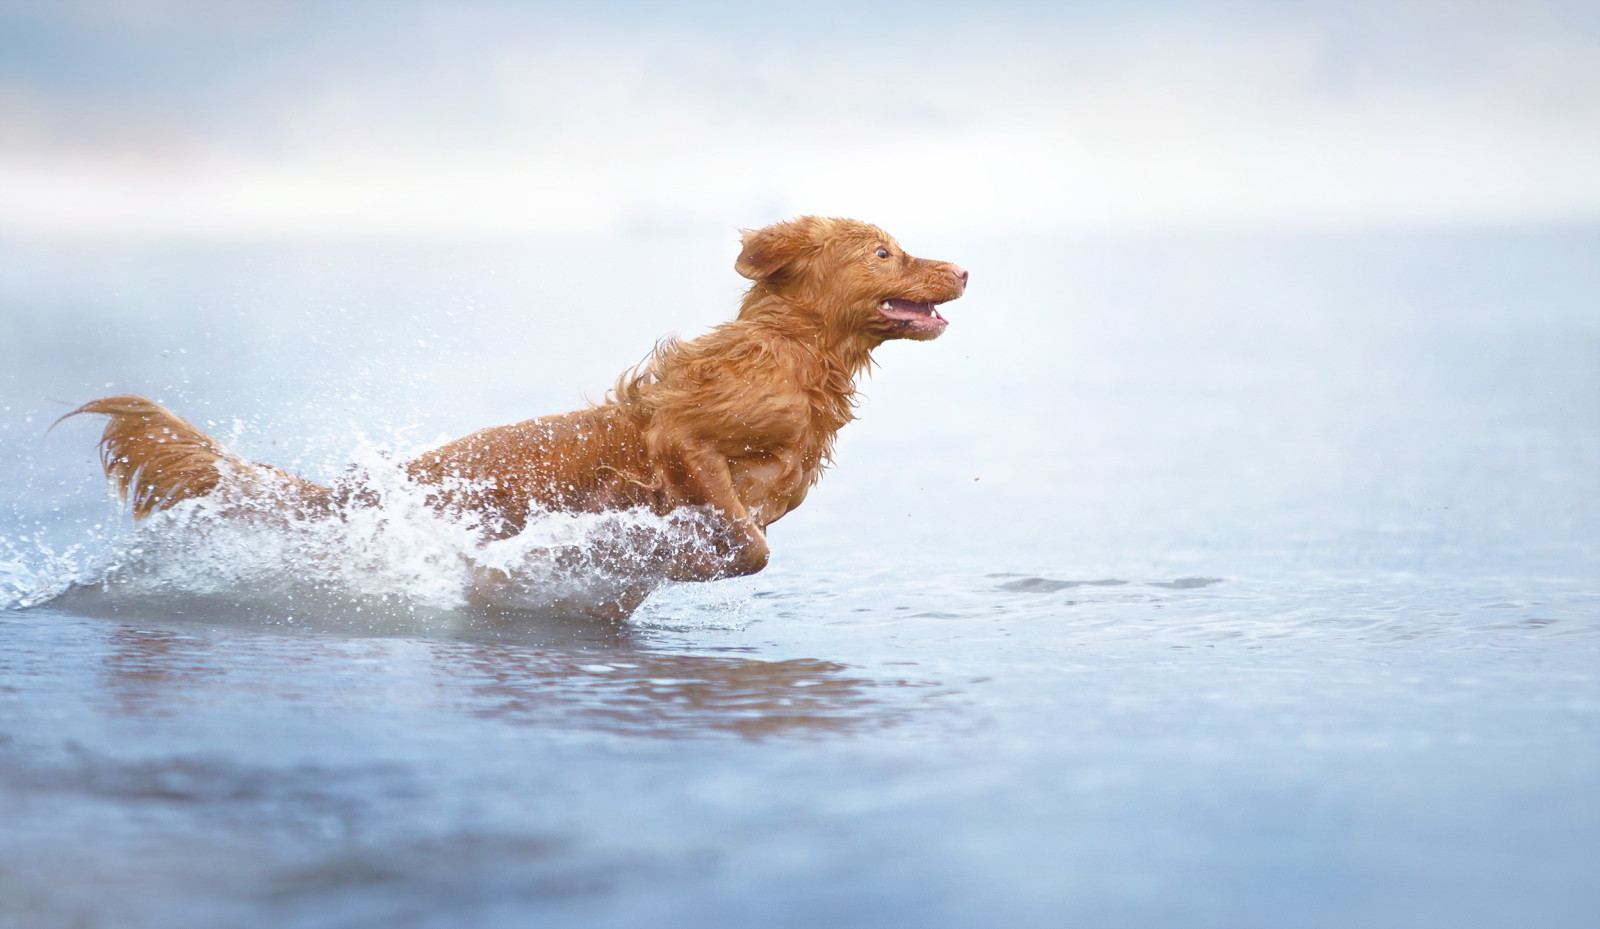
(882,252)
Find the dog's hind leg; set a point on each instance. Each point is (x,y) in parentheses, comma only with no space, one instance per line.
(155,458)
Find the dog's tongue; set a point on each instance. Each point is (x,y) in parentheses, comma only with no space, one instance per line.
(908,309)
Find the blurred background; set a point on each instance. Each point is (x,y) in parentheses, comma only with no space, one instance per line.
(186,119)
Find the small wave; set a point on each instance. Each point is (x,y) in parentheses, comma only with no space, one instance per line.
(1045,585)
(1187,583)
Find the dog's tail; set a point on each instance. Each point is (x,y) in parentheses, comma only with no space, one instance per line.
(156,458)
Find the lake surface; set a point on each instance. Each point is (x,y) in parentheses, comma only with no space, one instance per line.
(1224,581)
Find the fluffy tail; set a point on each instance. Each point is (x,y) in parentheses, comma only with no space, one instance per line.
(156,458)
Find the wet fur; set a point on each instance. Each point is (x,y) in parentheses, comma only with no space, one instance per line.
(739,422)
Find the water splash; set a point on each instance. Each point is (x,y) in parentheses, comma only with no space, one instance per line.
(392,550)
(33,572)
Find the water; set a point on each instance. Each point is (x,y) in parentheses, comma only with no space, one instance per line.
(1229,582)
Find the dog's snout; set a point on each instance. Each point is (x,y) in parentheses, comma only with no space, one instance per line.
(960,273)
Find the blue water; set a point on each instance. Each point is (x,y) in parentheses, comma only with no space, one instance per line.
(1234,582)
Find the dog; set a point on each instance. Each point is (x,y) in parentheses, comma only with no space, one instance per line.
(736,425)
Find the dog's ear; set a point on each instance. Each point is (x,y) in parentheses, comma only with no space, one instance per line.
(771,249)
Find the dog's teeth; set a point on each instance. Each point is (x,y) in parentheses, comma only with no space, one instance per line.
(885,306)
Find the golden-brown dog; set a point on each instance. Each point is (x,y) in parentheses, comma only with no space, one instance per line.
(738,423)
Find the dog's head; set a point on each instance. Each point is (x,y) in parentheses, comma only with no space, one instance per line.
(853,274)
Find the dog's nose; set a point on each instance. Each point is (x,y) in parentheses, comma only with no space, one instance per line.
(960,272)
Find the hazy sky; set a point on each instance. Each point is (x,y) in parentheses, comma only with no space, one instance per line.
(343,117)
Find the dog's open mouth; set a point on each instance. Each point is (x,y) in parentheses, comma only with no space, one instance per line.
(913,317)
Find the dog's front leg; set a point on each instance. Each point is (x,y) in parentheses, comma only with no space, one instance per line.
(738,546)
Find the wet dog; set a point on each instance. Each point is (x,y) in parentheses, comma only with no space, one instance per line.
(736,425)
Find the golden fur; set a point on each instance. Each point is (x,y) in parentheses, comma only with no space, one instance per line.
(740,421)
